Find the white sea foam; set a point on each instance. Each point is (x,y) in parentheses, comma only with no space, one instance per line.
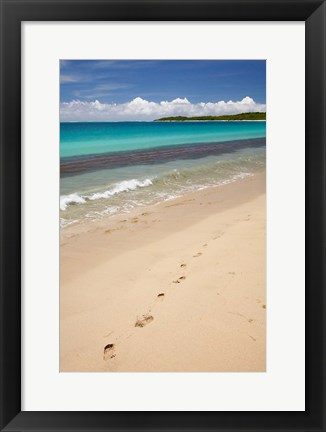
(242,175)
(124,186)
(108,211)
(66,222)
(73,198)
(234,178)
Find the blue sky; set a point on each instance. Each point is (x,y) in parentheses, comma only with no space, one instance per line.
(119,90)
(198,81)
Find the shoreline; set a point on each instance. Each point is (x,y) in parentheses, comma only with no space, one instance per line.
(112,221)
(177,286)
(203,121)
(148,121)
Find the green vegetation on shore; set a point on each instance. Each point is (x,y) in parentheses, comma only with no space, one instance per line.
(244,116)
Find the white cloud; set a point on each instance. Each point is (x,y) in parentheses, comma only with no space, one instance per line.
(141,109)
(66,78)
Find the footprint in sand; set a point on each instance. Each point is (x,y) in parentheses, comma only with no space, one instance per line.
(183,265)
(218,235)
(204,245)
(180,203)
(111,230)
(198,254)
(108,352)
(146,319)
(181,278)
(264,306)
(160,296)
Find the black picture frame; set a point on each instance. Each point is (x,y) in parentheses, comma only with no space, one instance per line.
(13,13)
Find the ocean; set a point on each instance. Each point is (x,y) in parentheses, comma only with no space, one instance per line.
(111,168)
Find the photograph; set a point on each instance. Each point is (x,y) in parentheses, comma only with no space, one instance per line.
(162,215)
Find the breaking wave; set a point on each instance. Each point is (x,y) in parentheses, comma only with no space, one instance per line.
(124,186)
(148,186)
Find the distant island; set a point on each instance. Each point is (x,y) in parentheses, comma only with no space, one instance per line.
(243,116)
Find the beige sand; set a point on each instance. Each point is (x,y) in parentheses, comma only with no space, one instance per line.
(176,287)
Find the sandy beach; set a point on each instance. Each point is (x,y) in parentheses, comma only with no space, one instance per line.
(175,287)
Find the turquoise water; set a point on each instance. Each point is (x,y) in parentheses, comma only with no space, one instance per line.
(92,138)
(111,168)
